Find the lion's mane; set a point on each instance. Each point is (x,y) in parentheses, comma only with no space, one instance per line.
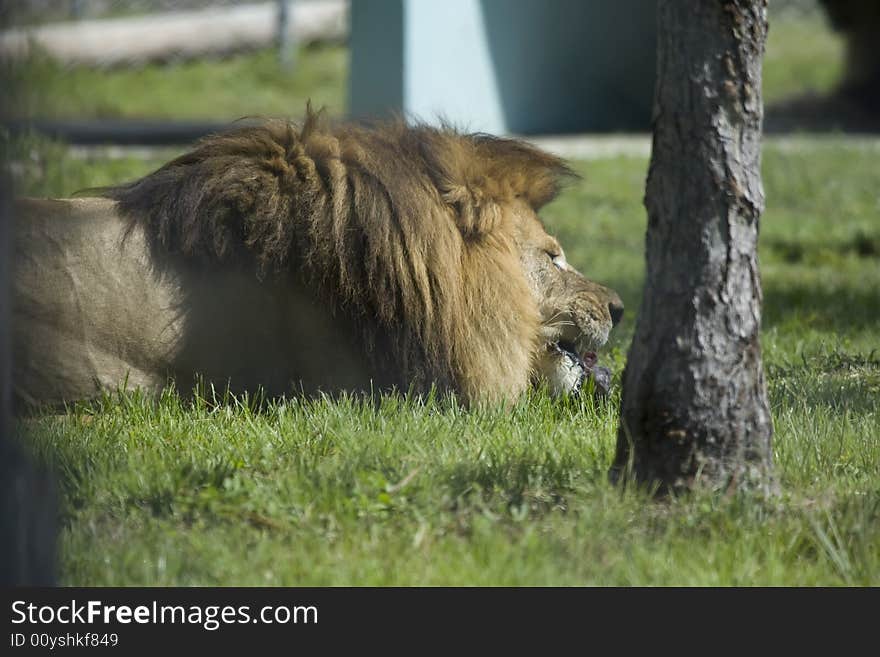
(406,231)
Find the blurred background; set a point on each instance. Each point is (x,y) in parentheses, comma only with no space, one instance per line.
(88,71)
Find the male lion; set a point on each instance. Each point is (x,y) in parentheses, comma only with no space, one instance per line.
(309,258)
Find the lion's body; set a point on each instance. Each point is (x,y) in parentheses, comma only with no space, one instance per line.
(93,311)
(79,319)
(312,259)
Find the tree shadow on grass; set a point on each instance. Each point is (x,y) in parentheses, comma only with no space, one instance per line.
(539,484)
(840,308)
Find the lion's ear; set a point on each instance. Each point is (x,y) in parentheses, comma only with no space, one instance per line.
(475,212)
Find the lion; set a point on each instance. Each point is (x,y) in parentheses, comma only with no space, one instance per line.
(309,258)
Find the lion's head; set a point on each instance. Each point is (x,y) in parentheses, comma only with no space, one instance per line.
(425,244)
(577,314)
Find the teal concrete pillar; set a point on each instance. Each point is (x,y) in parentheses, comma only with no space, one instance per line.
(505,66)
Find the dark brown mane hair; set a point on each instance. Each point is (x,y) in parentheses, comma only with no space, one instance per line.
(406,226)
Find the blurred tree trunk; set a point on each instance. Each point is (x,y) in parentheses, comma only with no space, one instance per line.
(694,410)
(859,20)
(27,494)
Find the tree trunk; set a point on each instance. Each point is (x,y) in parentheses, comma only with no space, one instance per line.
(694,409)
(859,20)
(27,495)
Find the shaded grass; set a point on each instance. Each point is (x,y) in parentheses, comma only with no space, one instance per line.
(40,167)
(394,491)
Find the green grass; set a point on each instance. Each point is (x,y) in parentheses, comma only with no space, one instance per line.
(226,90)
(398,492)
(803,56)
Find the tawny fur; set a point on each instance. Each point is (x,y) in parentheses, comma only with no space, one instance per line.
(410,232)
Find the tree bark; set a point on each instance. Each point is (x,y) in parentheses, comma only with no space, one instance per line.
(694,408)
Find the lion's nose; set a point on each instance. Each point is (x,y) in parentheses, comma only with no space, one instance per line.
(615,309)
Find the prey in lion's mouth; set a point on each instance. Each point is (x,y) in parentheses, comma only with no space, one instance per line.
(568,371)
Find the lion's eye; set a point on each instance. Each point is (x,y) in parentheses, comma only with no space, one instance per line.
(558,260)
